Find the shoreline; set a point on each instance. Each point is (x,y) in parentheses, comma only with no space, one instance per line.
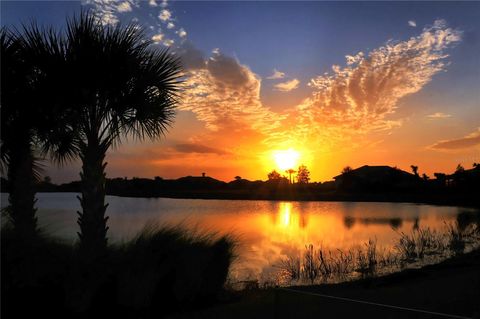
(438,200)
(453,287)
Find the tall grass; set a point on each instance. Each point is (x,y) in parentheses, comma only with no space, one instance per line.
(418,243)
(160,270)
(368,260)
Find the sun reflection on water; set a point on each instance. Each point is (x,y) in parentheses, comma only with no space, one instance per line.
(266,231)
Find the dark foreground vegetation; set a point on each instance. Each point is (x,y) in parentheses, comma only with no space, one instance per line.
(451,287)
(162,270)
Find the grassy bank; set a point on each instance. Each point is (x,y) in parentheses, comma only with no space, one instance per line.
(452,287)
(160,271)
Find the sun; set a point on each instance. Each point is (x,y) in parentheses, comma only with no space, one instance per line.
(286,159)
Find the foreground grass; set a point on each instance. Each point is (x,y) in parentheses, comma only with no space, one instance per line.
(160,271)
(452,287)
(421,246)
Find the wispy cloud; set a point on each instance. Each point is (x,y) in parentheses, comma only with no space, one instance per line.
(168,42)
(351,101)
(439,115)
(468,141)
(165,15)
(287,86)
(198,148)
(276,75)
(182,33)
(158,37)
(225,94)
(111,11)
(358,97)
(124,7)
(412,23)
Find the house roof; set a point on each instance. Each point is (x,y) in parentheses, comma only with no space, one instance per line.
(367,171)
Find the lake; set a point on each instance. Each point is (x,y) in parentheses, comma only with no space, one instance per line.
(267,231)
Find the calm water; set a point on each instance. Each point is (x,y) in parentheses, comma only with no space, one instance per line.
(267,231)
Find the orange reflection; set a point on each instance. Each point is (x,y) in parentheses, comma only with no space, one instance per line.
(266,231)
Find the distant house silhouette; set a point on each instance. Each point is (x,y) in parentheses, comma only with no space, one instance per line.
(465,179)
(375,178)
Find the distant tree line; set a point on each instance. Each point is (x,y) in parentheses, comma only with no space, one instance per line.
(302,176)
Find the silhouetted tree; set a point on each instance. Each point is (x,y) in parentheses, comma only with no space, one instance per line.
(274,175)
(237,178)
(425,177)
(346,170)
(415,170)
(17,133)
(290,171)
(29,117)
(459,169)
(118,86)
(476,165)
(441,178)
(303,174)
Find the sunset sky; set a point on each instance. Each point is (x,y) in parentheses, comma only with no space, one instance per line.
(344,83)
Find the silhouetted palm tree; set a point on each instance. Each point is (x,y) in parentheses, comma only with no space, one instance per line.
(118,86)
(290,172)
(17,134)
(28,115)
(414,170)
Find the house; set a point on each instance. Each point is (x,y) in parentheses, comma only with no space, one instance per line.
(375,178)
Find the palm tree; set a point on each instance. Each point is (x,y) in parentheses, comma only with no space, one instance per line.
(118,87)
(28,116)
(414,170)
(290,171)
(17,134)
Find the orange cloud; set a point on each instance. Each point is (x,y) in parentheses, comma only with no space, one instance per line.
(346,105)
(468,141)
(287,86)
(226,94)
(358,98)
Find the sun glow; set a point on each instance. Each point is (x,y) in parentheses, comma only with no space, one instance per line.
(286,159)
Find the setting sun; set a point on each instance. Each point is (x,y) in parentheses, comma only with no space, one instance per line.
(286,159)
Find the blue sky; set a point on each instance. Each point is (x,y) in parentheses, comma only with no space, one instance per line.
(303,40)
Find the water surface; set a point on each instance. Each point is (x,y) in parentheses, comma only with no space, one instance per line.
(267,231)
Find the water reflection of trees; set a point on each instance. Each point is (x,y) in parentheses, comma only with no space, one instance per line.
(394,223)
(464,220)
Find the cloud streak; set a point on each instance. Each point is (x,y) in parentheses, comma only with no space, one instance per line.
(468,141)
(287,86)
(439,115)
(276,75)
(198,148)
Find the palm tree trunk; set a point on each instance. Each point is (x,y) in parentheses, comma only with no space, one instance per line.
(92,220)
(22,193)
